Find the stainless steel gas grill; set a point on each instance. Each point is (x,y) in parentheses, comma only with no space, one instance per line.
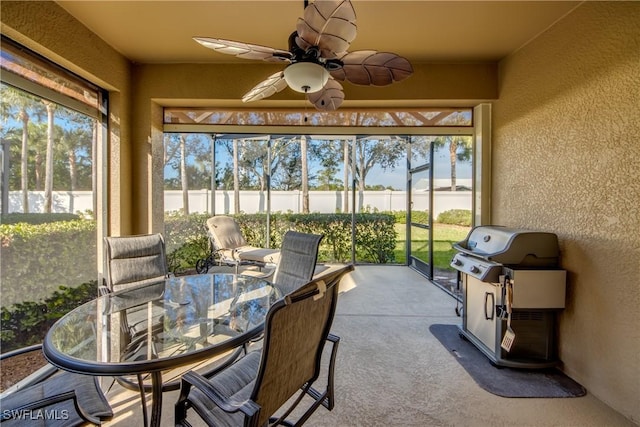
(511,276)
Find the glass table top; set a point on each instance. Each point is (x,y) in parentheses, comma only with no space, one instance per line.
(172,322)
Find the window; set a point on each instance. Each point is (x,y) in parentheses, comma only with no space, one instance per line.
(51,130)
(416,165)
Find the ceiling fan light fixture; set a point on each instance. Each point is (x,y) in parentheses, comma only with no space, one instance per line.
(306,77)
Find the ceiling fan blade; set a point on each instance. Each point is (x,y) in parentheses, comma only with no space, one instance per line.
(329,98)
(272,85)
(372,68)
(245,50)
(328,24)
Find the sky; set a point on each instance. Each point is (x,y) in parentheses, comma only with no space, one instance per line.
(396,178)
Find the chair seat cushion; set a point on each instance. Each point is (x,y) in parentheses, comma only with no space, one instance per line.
(235,383)
(90,399)
(253,254)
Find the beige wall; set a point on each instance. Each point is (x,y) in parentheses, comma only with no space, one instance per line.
(566,159)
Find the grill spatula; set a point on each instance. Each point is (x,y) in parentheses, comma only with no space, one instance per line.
(509,334)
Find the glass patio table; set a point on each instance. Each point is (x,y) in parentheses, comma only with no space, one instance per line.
(147,329)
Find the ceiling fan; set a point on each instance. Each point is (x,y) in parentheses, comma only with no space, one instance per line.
(318,57)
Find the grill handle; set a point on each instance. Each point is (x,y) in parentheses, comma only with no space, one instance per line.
(458,247)
(488,316)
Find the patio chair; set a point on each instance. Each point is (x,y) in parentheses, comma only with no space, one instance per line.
(298,259)
(51,397)
(230,247)
(137,261)
(253,391)
(134,261)
(296,264)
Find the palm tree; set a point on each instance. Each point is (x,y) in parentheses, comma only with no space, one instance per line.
(20,103)
(48,180)
(460,148)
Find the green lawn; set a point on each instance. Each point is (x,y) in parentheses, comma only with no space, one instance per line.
(444,236)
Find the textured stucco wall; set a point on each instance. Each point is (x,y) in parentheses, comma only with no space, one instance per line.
(566,158)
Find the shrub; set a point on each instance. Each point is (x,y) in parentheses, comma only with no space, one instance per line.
(375,235)
(455,217)
(37,218)
(37,259)
(27,323)
(400,217)
(186,240)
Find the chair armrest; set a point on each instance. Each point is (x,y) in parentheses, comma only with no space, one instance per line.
(37,375)
(248,407)
(20,351)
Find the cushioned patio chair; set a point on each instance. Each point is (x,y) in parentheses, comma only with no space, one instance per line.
(51,397)
(254,390)
(298,259)
(230,247)
(296,263)
(134,260)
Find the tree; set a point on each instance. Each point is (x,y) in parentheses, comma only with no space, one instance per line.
(460,149)
(182,154)
(347,166)
(48,181)
(372,151)
(18,104)
(324,152)
(305,173)
(183,174)
(236,178)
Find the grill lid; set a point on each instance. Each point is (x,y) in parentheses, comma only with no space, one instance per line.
(511,246)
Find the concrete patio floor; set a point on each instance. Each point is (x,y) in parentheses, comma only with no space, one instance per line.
(392,371)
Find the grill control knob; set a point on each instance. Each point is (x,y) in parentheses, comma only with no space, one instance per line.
(456,261)
(475,269)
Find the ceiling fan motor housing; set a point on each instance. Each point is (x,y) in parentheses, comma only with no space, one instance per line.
(306,76)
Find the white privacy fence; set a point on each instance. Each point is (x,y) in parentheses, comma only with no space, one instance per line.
(256,201)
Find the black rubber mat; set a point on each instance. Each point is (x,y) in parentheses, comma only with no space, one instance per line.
(502,381)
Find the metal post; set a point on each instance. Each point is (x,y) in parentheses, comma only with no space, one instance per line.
(4,176)
(213,174)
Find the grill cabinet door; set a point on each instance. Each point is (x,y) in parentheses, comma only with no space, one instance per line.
(480,307)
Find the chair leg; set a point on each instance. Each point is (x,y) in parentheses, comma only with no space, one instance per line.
(182,405)
(143,400)
(330,401)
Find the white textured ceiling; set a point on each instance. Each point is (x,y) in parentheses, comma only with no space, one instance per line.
(422,31)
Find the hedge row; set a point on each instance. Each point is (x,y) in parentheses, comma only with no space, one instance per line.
(27,323)
(39,258)
(187,238)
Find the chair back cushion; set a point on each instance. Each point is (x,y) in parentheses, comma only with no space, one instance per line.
(298,258)
(134,260)
(296,329)
(225,232)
